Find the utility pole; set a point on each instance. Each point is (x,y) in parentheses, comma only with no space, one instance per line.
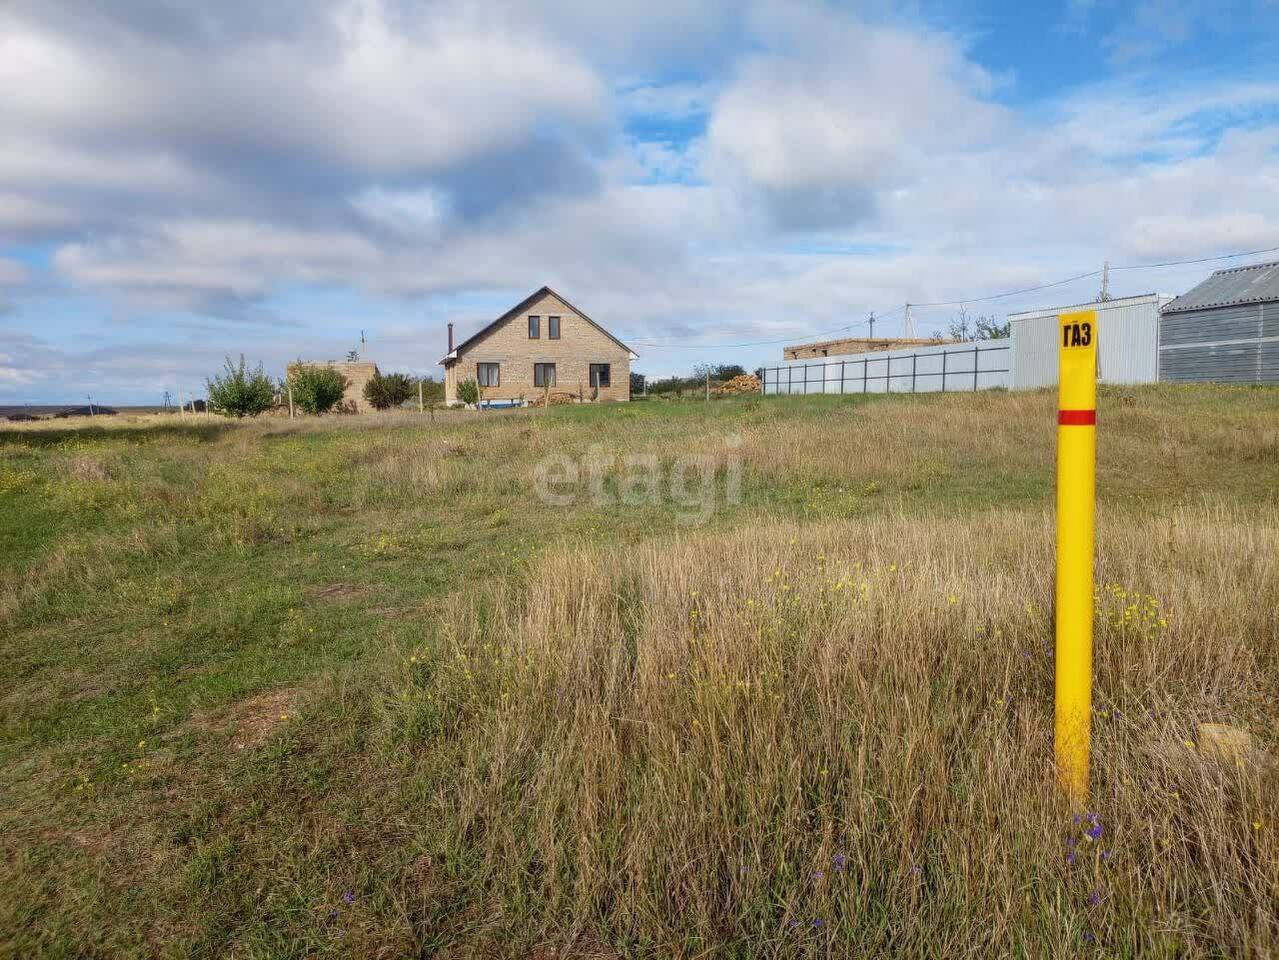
(909,324)
(1105,282)
(872,325)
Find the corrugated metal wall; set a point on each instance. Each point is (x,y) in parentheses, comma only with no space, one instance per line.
(948,367)
(1128,349)
(1231,344)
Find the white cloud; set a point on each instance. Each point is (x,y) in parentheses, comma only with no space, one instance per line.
(420,213)
(416,157)
(180,263)
(378,92)
(675,101)
(837,110)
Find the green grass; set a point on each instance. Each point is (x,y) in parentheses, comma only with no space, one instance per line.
(171,590)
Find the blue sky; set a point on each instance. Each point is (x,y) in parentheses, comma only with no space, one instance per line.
(183,181)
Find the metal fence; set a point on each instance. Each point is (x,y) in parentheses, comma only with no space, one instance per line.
(983,365)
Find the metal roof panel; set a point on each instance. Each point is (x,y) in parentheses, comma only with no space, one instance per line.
(1256,283)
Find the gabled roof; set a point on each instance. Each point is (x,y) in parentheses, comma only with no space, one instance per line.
(1256,283)
(519,308)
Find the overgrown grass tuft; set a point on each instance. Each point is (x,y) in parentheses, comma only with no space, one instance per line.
(838,739)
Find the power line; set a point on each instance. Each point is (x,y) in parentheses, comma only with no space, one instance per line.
(1182,263)
(659,345)
(1096,273)
(1010,293)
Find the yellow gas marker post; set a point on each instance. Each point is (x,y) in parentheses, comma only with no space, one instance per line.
(1076,519)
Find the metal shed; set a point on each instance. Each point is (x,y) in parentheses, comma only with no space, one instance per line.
(1128,351)
(1226,329)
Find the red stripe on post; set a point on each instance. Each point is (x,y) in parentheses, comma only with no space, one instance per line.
(1077,418)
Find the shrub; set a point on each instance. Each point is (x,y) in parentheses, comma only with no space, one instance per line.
(388,390)
(432,389)
(316,389)
(468,391)
(239,392)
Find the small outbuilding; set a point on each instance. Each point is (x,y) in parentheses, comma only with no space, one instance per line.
(357,374)
(1225,330)
(1127,346)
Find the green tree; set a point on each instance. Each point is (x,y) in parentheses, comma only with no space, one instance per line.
(432,389)
(386,390)
(468,391)
(240,392)
(989,328)
(316,389)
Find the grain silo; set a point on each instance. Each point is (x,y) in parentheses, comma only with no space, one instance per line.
(1226,329)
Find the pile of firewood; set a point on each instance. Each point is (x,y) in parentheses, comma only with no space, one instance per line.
(746,383)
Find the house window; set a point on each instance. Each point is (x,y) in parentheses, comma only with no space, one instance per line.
(600,375)
(488,374)
(552,328)
(543,374)
(534,327)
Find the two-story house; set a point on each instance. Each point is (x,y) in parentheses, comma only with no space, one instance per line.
(542,344)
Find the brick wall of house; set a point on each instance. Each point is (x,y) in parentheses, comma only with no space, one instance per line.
(580,345)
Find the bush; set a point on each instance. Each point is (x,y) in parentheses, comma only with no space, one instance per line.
(239,392)
(432,389)
(468,391)
(316,389)
(384,391)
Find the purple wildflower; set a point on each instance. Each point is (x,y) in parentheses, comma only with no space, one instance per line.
(916,870)
(1070,859)
(348,897)
(818,923)
(840,861)
(1094,898)
(817,874)
(1089,937)
(1094,831)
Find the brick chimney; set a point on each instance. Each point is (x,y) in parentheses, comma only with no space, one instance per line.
(450,338)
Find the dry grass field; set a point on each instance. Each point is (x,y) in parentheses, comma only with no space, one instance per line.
(739,679)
